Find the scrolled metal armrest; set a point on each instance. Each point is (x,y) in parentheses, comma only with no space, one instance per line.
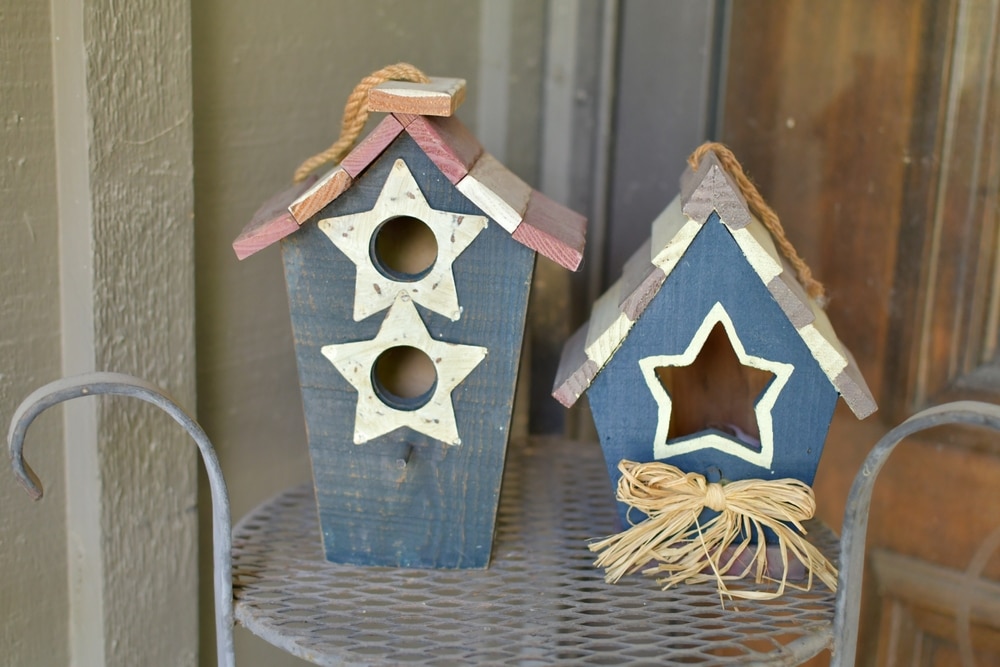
(94,384)
(852,543)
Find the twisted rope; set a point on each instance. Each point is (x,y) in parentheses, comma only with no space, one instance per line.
(762,211)
(356,114)
(676,544)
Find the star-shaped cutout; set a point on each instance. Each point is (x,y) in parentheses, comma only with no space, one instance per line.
(663,449)
(376,289)
(452,363)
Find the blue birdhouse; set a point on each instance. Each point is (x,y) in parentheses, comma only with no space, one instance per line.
(408,269)
(708,354)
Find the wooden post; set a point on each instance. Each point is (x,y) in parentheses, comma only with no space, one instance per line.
(125,189)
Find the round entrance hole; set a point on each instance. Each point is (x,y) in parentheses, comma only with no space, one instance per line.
(404,249)
(404,377)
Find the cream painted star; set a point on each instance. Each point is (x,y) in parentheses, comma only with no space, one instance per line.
(452,363)
(401,196)
(782,371)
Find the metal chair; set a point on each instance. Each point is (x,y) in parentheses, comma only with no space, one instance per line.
(540,601)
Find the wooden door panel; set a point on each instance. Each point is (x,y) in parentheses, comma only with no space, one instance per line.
(818,107)
(933,615)
(947,300)
(874,131)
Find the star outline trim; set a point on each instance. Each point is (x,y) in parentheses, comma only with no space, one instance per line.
(663,449)
(354,234)
(453,362)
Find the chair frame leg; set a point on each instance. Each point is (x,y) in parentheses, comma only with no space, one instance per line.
(855,528)
(94,384)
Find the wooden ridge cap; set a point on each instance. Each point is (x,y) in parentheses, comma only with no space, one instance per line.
(439,97)
(711,188)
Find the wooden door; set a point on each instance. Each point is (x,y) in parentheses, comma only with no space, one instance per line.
(873,128)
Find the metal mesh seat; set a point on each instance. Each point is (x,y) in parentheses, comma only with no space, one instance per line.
(539,603)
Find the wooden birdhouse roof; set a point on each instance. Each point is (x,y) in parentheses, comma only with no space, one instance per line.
(708,190)
(425,113)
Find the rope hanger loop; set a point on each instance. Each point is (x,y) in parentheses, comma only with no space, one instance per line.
(763,212)
(356,114)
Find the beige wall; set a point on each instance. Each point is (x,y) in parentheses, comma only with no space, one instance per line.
(33,596)
(97,144)
(98,274)
(269,89)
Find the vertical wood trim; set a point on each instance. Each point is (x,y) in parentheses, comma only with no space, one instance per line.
(580,58)
(980,228)
(663,110)
(124,171)
(947,150)
(83,502)
(603,137)
(560,83)
(924,140)
(495,28)
(946,323)
(719,69)
(547,321)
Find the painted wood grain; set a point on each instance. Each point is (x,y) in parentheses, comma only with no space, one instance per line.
(553,230)
(575,371)
(641,279)
(702,393)
(625,411)
(640,282)
(672,232)
(271,223)
(717,387)
(448,143)
(759,249)
(608,326)
(808,318)
(371,146)
(376,416)
(404,498)
(405,118)
(823,342)
(496,190)
(376,287)
(854,389)
(711,188)
(327,188)
(805,314)
(441,97)
(791,296)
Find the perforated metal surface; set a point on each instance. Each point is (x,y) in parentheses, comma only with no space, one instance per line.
(541,602)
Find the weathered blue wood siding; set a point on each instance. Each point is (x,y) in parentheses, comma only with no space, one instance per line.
(713,270)
(439,509)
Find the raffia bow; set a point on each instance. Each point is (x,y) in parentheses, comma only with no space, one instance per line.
(673,542)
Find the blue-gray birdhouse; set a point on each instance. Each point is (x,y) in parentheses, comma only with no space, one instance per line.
(408,269)
(707,354)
